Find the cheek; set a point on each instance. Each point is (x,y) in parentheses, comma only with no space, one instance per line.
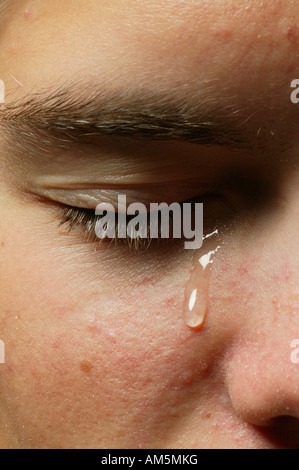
(103,344)
(91,348)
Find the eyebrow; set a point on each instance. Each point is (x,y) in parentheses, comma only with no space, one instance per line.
(64,115)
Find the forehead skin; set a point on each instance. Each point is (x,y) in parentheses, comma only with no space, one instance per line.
(245,53)
(241,44)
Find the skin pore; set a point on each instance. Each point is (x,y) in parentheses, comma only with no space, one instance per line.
(196,100)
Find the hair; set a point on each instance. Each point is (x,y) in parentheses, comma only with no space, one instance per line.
(4,13)
(3,6)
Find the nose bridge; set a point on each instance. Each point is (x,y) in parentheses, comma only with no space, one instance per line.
(284,249)
(279,255)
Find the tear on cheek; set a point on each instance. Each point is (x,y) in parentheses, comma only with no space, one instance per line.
(196,296)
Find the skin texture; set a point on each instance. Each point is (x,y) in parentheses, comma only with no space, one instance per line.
(97,353)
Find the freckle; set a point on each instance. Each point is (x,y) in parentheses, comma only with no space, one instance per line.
(86,366)
(2,244)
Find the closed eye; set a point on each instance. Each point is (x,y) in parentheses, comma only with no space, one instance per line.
(88,221)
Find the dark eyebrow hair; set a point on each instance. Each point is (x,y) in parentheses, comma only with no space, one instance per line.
(66,115)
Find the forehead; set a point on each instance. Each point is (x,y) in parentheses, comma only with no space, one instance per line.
(182,41)
(239,55)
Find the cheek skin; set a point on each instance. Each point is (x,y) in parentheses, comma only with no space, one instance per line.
(89,354)
(116,356)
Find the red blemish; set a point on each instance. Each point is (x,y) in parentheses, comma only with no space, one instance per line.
(2,244)
(28,14)
(63,310)
(34,373)
(9,368)
(244,267)
(12,48)
(94,329)
(56,344)
(292,35)
(248,265)
(170,302)
(144,282)
(224,35)
(283,273)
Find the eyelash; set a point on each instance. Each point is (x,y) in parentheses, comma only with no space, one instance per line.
(218,211)
(86,219)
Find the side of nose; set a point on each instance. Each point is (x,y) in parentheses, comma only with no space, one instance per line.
(261,369)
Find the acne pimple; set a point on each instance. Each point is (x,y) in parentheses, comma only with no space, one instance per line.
(86,366)
(13,48)
(292,34)
(29,14)
(187,378)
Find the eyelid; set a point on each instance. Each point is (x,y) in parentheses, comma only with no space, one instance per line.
(89,198)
